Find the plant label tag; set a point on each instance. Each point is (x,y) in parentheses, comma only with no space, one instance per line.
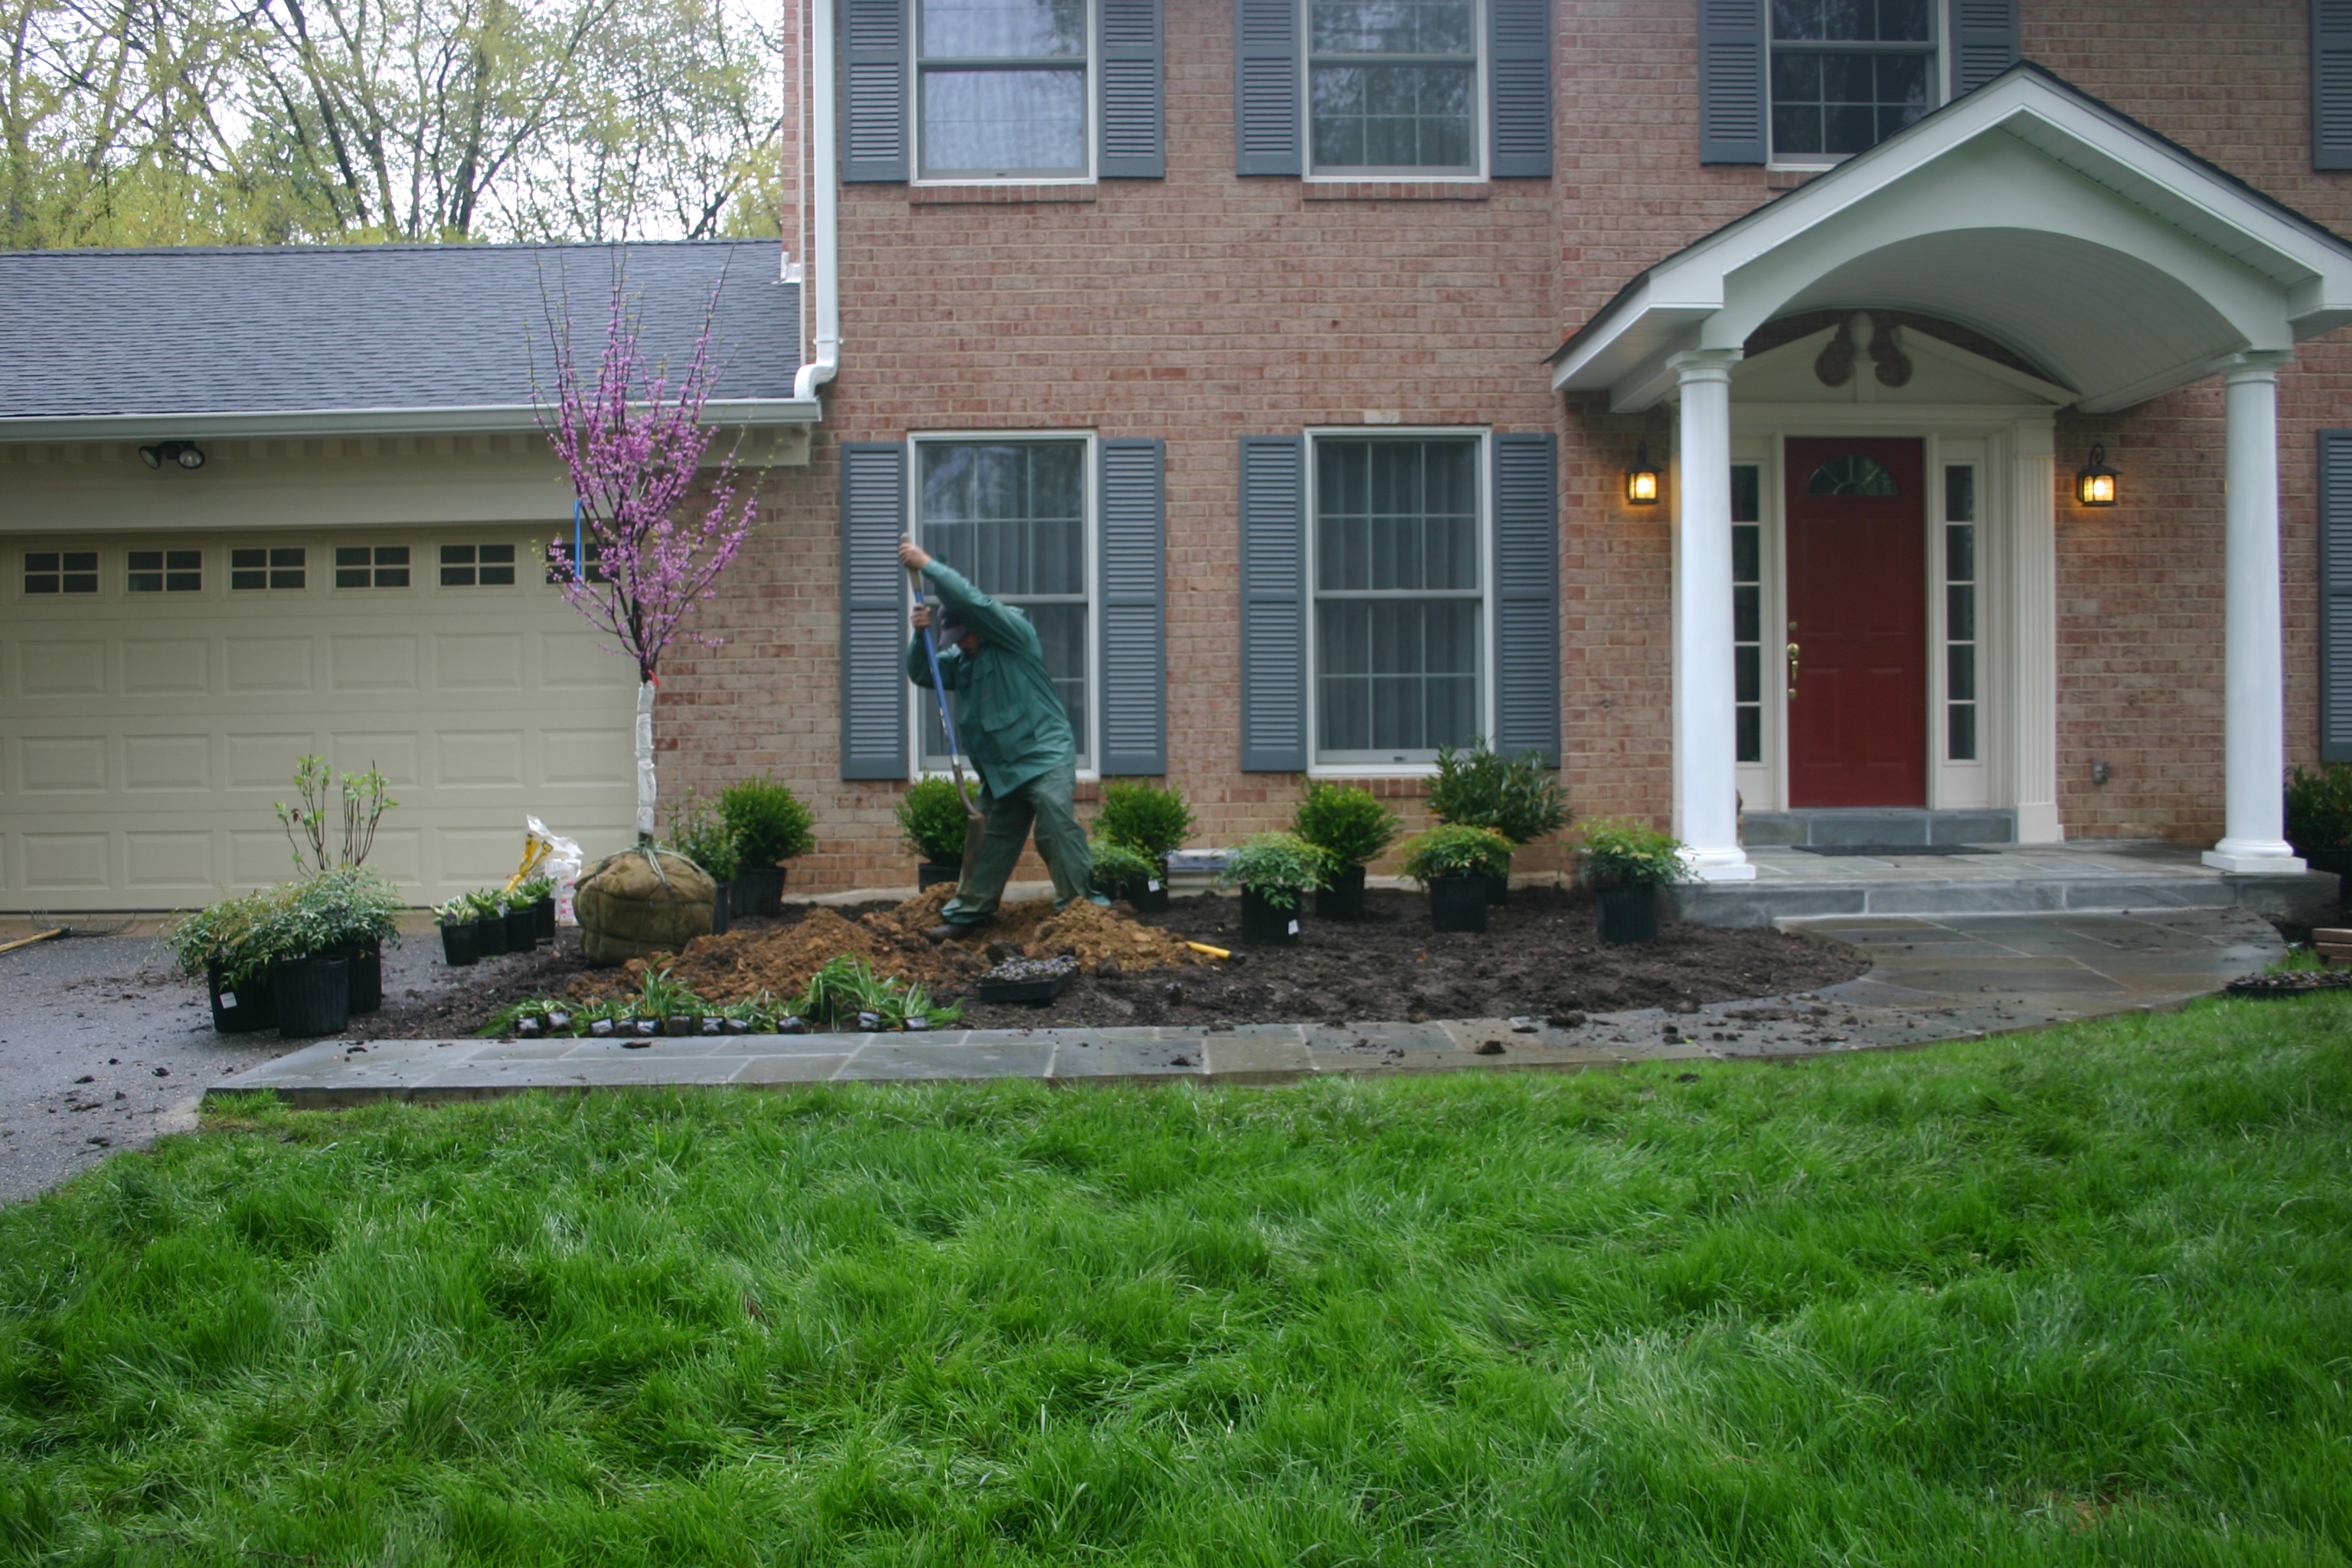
(1294,928)
(229,998)
(1150,886)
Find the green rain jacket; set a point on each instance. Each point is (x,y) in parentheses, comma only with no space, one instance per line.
(1008,716)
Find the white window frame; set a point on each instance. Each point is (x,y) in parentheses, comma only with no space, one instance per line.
(1381,174)
(1090,743)
(1484,439)
(1089,71)
(1939,86)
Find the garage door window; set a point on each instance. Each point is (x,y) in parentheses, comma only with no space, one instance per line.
(279,567)
(167,571)
(61,572)
(478,565)
(380,566)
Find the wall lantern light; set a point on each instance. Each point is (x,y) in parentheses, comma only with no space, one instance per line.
(2096,486)
(1642,479)
(187,454)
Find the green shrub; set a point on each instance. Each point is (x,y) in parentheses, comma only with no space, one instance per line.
(330,911)
(932,818)
(771,823)
(2319,807)
(1346,823)
(1280,868)
(1518,797)
(1143,816)
(698,831)
(1625,851)
(1456,849)
(1116,865)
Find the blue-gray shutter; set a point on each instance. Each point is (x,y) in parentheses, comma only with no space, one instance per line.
(1984,41)
(873,610)
(1273,603)
(1733,57)
(1265,87)
(873,89)
(1132,520)
(1527,595)
(2335,595)
(2331,84)
(1130,98)
(1518,89)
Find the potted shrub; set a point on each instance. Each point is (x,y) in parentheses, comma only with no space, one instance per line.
(541,892)
(771,825)
(2319,817)
(456,920)
(522,919)
(220,942)
(347,913)
(1274,871)
(313,994)
(1129,874)
(1152,821)
(1626,862)
(933,821)
(1351,828)
(699,833)
(1518,797)
(1454,862)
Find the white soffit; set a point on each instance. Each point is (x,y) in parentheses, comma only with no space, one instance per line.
(2026,210)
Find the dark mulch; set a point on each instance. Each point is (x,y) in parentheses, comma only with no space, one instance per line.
(1539,956)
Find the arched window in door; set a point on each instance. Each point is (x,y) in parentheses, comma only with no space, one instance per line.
(1852,475)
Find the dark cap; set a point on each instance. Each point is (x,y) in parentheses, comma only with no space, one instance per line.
(947,625)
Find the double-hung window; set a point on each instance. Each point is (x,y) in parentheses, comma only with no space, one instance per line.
(1399,597)
(1000,89)
(1848,74)
(1011,516)
(1392,85)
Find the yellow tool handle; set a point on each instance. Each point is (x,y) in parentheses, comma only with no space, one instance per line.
(1212,951)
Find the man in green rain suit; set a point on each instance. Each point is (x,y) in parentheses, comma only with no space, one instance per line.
(1014,729)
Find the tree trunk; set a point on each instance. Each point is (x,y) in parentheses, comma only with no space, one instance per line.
(646,689)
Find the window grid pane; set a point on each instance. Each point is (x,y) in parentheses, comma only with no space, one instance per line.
(1747,614)
(61,572)
(384,566)
(1001,87)
(1960,616)
(1392,84)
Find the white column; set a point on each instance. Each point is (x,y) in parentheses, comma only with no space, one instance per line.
(1706,813)
(2030,655)
(2254,680)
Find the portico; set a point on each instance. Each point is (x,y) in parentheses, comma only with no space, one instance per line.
(2024,250)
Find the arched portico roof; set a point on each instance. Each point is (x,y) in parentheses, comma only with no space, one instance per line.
(2027,210)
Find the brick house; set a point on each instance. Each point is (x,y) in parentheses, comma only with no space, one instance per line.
(1291,362)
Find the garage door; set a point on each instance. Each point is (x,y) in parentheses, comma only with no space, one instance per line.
(156,693)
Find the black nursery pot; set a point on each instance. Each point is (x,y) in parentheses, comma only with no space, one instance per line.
(543,913)
(720,911)
(522,929)
(931,873)
(1627,913)
(458,947)
(1145,895)
(1344,899)
(759,890)
(366,973)
(1261,922)
(242,1006)
(1457,903)
(491,935)
(314,995)
(1498,888)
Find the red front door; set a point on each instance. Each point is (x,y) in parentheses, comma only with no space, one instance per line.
(1858,617)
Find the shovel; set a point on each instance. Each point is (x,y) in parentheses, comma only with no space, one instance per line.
(975,825)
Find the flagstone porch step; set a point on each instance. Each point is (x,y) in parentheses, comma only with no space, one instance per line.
(1877,825)
(2025,878)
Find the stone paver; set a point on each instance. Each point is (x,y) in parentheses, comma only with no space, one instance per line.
(1932,978)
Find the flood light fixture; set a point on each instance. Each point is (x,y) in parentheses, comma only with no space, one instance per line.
(187,454)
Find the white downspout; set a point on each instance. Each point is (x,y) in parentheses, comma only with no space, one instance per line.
(822,185)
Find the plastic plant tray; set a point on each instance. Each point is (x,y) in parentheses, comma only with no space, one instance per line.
(1043,990)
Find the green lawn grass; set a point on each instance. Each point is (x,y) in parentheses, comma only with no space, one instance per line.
(2080,1297)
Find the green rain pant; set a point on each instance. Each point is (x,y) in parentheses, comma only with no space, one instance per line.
(1047,803)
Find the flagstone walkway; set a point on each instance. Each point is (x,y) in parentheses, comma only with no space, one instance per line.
(1936,978)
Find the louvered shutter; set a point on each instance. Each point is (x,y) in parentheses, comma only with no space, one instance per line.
(1527,595)
(2335,595)
(873,90)
(1273,603)
(1732,60)
(1518,94)
(1265,87)
(874,632)
(1129,95)
(1984,41)
(2331,84)
(1132,548)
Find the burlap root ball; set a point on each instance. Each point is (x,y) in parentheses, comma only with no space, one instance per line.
(627,910)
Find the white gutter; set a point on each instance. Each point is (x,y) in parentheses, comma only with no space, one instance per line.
(823,184)
(753,412)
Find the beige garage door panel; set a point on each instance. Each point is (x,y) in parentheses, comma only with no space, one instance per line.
(144,736)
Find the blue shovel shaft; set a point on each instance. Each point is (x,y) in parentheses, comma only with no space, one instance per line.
(940,691)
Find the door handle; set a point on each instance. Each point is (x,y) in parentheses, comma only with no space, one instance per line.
(1792,670)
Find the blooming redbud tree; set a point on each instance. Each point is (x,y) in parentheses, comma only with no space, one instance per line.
(651,547)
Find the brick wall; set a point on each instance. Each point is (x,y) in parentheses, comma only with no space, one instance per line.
(1204,307)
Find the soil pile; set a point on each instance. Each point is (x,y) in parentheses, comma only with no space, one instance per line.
(781,960)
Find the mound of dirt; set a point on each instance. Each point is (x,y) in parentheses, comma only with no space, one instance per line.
(740,965)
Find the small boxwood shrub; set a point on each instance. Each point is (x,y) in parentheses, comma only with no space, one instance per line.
(772,823)
(1144,818)
(1345,822)
(932,818)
